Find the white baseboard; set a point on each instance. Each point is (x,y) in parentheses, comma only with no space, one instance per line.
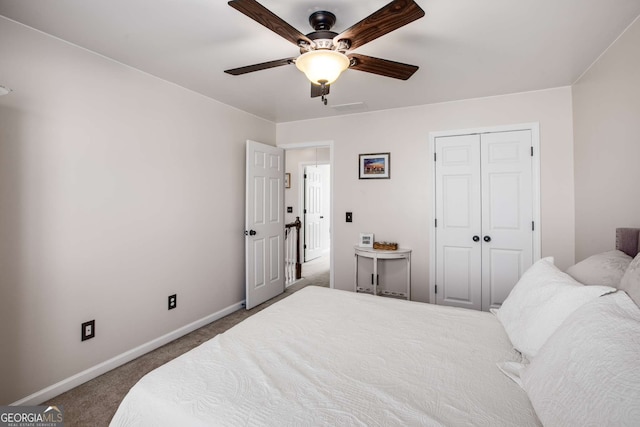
(106,366)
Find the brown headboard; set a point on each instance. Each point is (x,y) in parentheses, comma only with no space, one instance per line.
(628,240)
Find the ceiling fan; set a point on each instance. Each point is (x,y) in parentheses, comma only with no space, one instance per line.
(325,54)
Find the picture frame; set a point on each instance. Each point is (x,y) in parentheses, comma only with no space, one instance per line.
(287,180)
(366,240)
(374,166)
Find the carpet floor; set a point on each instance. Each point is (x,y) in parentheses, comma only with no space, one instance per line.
(95,402)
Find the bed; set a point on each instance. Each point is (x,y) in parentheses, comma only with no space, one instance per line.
(325,357)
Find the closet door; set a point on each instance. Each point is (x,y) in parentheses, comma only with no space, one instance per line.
(507,212)
(458,207)
(484,216)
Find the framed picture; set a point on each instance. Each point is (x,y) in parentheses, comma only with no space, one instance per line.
(287,180)
(375,166)
(366,240)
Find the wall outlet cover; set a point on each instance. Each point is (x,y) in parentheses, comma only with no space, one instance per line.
(173,301)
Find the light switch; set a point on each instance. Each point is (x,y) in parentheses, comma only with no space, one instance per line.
(349,217)
(88,330)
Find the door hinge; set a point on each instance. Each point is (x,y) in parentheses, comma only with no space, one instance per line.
(305,176)
(434,157)
(532,151)
(305,246)
(533,226)
(436,220)
(436,289)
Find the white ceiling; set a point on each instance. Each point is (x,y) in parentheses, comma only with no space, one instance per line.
(464,48)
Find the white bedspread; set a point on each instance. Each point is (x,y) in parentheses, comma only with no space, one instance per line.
(324,357)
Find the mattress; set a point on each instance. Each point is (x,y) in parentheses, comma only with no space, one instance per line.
(324,357)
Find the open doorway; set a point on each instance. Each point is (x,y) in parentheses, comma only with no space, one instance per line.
(308,197)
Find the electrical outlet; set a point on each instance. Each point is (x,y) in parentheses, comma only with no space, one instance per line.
(289,209)
(173,301)
(88,330)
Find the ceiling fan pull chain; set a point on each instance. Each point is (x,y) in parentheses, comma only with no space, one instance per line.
(323,91)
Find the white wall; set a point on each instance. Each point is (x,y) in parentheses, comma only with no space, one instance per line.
(117,189)
(398,209)
(606,113)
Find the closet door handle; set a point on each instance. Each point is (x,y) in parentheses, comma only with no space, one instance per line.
(476,238)
(487,238)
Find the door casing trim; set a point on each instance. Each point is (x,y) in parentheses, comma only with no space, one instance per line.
(320,144)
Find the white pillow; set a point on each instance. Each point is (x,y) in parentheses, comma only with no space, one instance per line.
(541,300)
(588,372)
(630,282)
(606,268)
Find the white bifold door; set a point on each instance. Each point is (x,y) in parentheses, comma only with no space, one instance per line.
(484,216)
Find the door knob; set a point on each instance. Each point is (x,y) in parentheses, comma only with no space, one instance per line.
(250,232)
(487,238)
(476,238)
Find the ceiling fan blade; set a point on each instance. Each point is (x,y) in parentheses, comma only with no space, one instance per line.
(382,67)
(265,17)
(396,14)
(258,67)
(316,90)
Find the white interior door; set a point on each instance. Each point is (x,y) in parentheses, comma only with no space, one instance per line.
(507,213)
(313,210)
(264,223)
(458,255)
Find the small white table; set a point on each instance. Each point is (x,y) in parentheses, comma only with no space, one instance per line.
(378,254)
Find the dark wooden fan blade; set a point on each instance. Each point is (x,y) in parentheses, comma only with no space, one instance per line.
(265,17)
(316,90)
(258,67)
(396,14)
(382,67)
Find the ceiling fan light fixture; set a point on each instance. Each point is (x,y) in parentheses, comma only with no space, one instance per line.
(322,65)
